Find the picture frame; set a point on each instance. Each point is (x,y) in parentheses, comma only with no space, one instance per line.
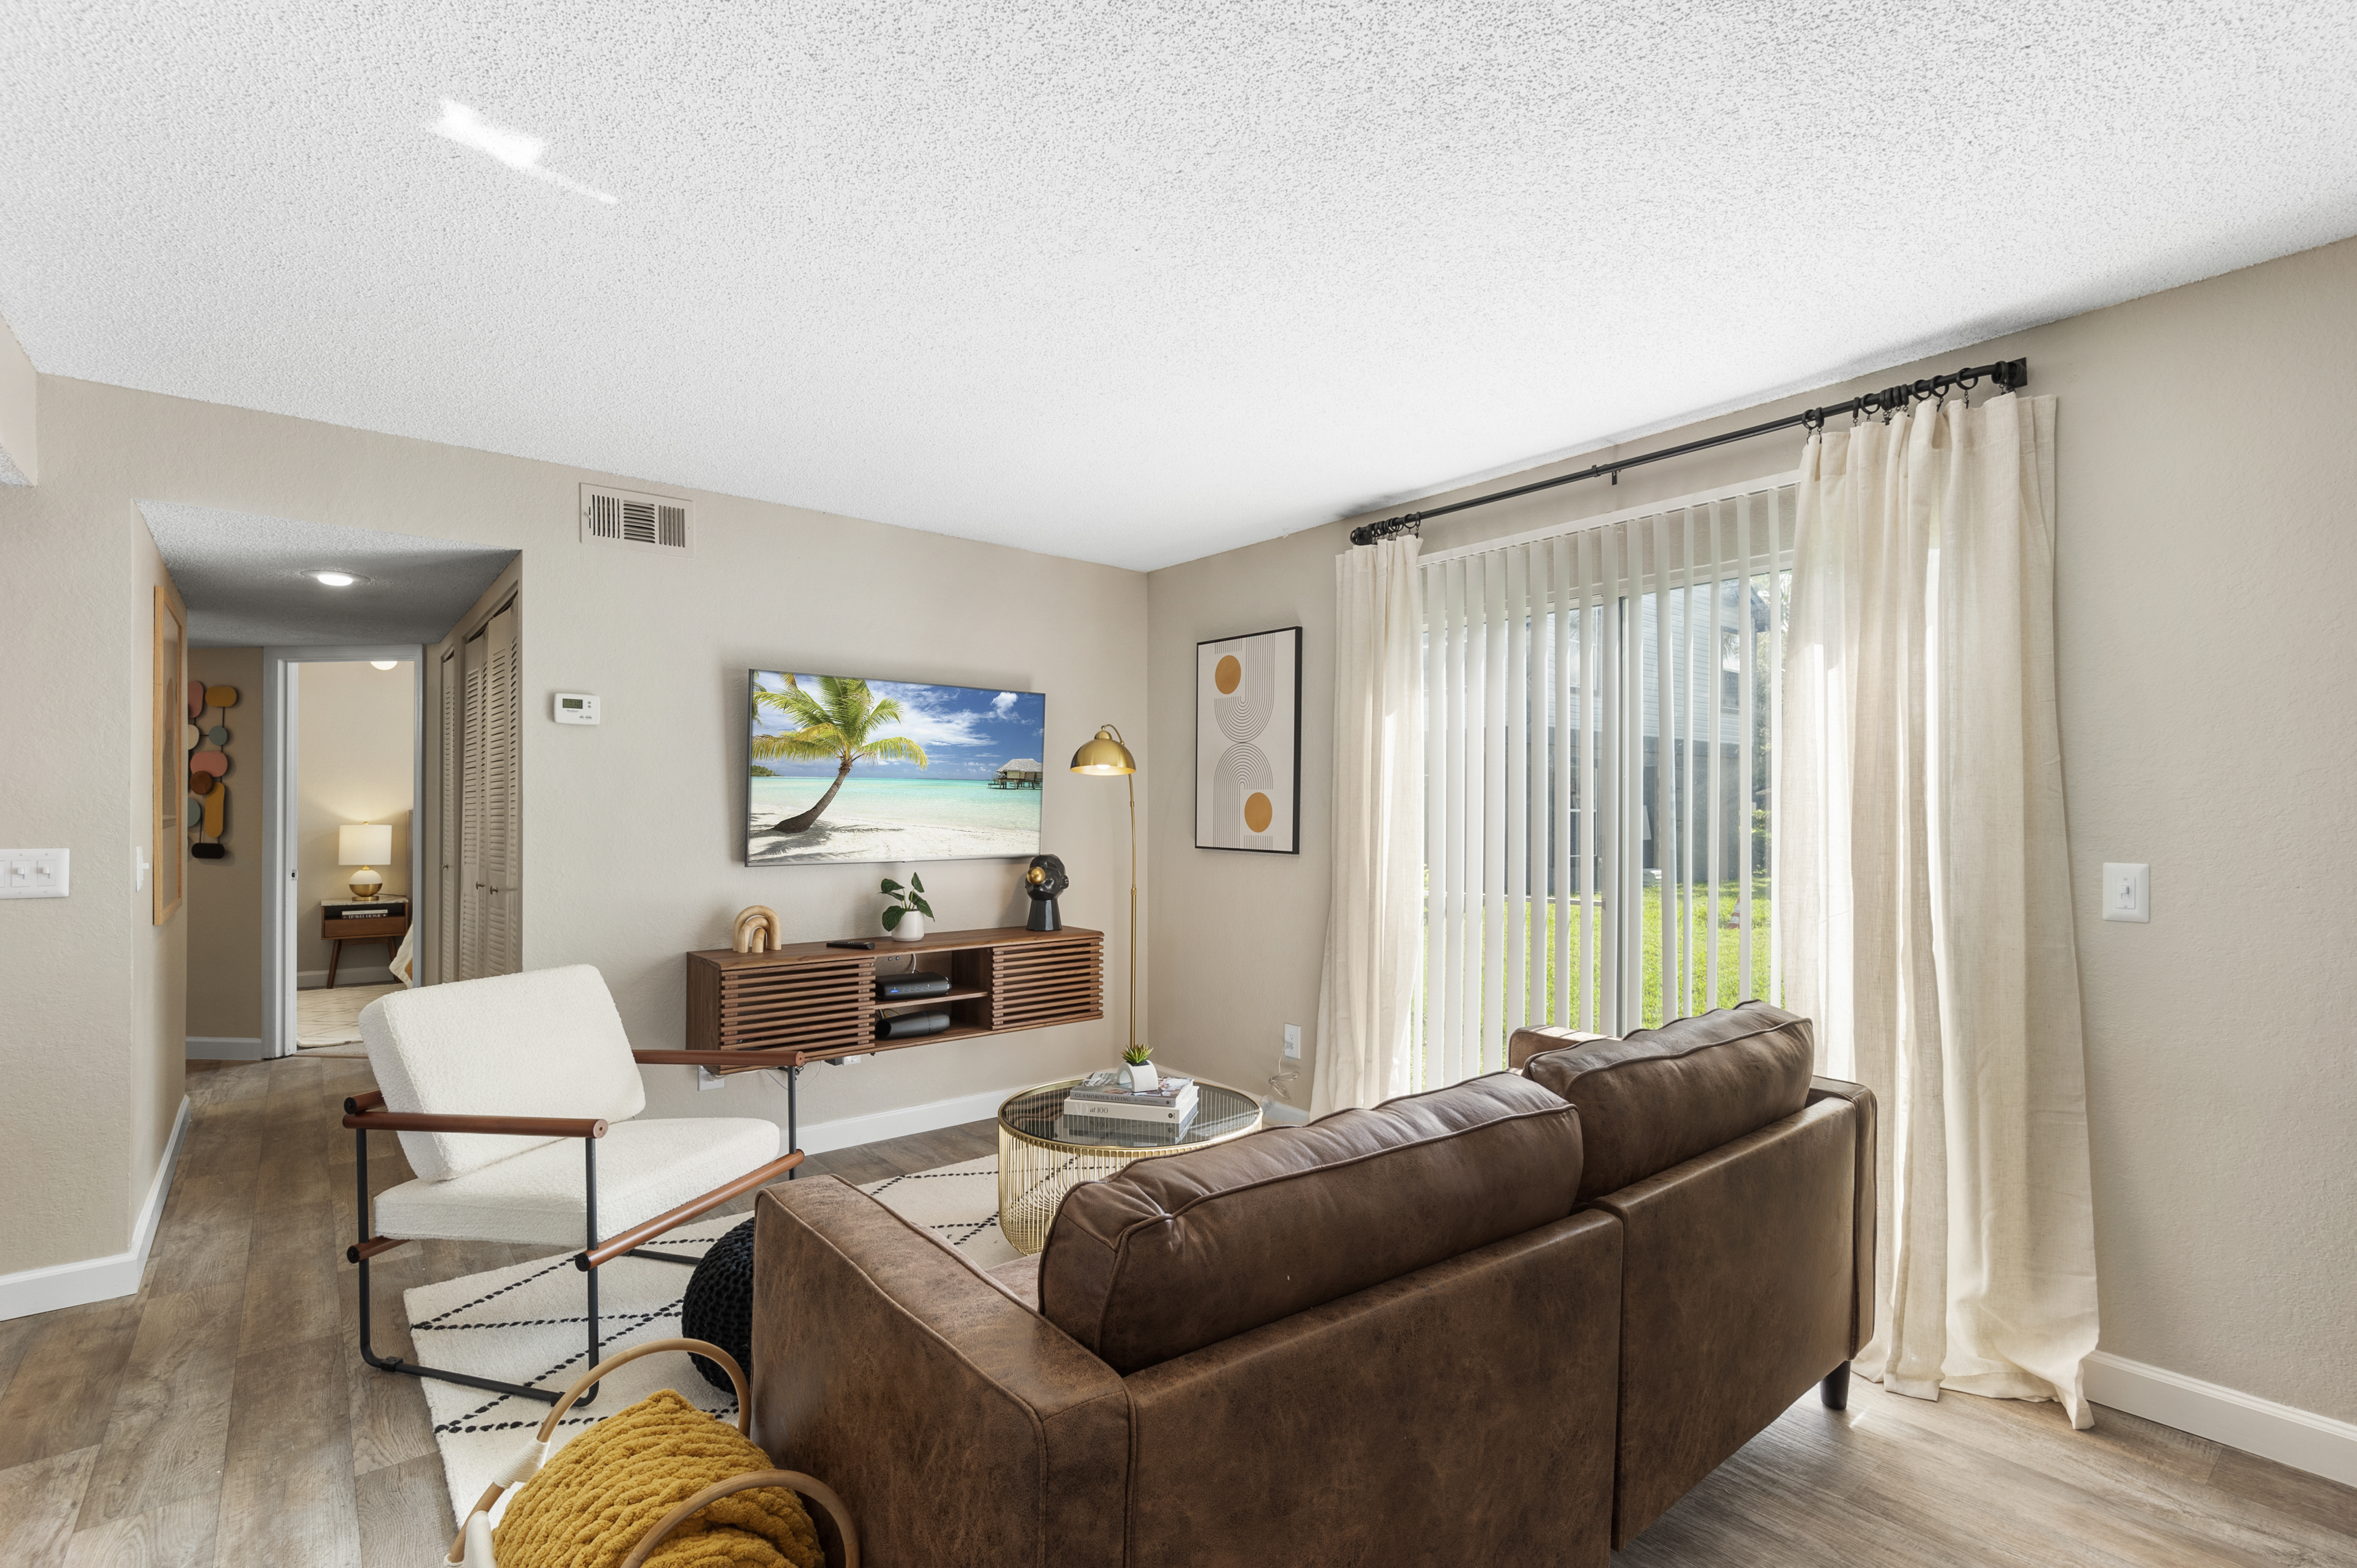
(168,874)
(1248,742)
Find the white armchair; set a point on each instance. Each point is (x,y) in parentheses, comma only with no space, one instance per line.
(504,1093)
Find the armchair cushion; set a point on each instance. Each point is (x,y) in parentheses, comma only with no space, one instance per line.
(644,1169)
(545,1042)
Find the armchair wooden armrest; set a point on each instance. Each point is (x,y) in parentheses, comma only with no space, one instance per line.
(379,1121)
(638,1235)
(719,1058)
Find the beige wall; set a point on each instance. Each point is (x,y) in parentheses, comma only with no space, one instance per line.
(632,838)
(20,444)
(2205,477)
(356,748)
(225,896)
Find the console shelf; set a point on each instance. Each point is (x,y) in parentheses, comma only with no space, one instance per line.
(820,1002)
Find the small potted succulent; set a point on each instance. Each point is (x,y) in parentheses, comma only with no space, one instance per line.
(905,916)
(1137,1068)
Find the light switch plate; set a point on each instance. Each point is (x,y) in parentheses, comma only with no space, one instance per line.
(574,708)
(2127,891)
(35,873)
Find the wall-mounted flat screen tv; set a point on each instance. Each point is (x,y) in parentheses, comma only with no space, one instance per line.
(847,768)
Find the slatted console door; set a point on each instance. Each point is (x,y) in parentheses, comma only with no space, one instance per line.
(821,1001)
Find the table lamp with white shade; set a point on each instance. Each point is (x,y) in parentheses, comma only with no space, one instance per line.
(363,844)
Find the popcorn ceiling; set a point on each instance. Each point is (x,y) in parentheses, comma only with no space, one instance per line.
(1128,283)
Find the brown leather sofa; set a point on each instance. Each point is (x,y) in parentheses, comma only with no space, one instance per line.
(1744,1192)
(1402,1334)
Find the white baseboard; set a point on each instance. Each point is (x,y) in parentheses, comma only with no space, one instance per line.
(849,1132)
(346,974)
(99,1279)
(224,1049)
(2299,1438)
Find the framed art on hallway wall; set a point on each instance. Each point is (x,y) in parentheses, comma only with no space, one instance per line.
(1248,742)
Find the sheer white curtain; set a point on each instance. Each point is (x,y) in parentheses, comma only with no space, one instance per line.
(1924,916)
(1374,922)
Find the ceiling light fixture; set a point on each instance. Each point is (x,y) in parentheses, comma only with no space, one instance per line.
(335,579)
(383,663)
(520,150)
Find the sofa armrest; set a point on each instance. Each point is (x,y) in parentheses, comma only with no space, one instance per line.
(958,1426)
(1865,1212)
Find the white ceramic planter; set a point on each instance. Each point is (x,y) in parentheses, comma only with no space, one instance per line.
(1140,1075)
(912,929)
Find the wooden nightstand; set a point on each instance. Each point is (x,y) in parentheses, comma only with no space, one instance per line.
(338,927)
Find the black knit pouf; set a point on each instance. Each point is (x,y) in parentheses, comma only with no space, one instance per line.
(719,1304)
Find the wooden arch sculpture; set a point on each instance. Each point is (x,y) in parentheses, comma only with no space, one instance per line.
(759,930)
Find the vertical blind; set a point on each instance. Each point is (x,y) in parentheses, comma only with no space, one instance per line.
(1601,709)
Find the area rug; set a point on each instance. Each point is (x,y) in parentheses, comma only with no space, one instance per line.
(528,1323)
(328,1020)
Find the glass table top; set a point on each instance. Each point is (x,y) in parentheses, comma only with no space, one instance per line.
(1038,1115)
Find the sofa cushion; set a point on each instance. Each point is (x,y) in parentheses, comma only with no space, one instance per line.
(1659,1097)
(1168,1255)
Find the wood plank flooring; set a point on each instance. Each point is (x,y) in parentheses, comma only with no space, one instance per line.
(222,1419)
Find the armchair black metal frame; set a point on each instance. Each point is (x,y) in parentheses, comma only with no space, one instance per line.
(365,1114)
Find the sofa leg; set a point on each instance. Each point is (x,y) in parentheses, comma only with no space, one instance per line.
(1834,1390)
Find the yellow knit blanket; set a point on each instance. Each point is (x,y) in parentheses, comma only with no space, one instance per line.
(604,1490)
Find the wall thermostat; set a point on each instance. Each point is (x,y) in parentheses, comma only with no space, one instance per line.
(576,708)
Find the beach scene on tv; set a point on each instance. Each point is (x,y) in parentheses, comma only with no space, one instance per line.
(851,769)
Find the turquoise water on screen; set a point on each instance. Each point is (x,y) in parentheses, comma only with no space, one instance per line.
(918,802)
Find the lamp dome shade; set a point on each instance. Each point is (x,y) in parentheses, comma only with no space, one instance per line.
(364,843)
(1104,753)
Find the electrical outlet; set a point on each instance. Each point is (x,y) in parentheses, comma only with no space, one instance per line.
(707,1078)
(1293,1042)
(2128,893)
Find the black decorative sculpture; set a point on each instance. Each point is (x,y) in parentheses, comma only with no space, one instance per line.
(1042,880)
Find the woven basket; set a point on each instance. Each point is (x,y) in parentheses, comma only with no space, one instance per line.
(473,1547)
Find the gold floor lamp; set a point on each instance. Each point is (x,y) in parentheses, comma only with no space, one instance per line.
(1107,755)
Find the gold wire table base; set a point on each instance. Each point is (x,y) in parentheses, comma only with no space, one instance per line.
(1034,1172)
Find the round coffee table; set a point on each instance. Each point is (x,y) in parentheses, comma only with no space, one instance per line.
(1042,1157)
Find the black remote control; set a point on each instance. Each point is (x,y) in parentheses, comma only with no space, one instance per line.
(865,942)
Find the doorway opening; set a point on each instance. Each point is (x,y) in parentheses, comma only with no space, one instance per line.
(359,793)
(354,758)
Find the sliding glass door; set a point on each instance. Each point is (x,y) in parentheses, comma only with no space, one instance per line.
(1600,726)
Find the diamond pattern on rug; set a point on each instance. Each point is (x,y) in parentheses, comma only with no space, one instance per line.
(528,1323)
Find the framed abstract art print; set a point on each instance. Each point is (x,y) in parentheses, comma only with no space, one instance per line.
(1248,742)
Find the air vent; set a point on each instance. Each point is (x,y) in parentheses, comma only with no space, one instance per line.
(635,521)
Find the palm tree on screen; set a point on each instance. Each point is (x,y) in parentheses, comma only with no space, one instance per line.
(838,723)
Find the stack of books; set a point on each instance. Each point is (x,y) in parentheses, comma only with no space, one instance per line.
(1100,1106)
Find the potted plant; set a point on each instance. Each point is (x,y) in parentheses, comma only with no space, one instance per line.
(905,916)
(1138,1070)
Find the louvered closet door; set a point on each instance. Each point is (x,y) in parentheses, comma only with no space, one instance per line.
(1600,717)
(447,901)
(473,658)
(503,950)
(488,887)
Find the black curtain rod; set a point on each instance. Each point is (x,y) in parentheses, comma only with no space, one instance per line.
(2010,374)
